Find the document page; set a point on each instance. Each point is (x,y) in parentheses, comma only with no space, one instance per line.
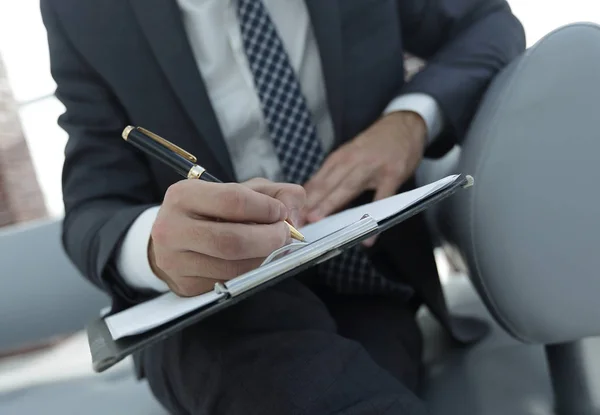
(380,210)
(167,307)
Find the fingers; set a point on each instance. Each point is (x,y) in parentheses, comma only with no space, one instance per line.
(207,232)
(230,202)
(192,265)
(386,188)
(334,170)
(350,187)
(224,240)
(191,286)
(293,196)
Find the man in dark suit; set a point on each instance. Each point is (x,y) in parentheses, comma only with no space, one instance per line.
(310,93)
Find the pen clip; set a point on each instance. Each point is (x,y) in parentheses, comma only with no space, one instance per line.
(168,144)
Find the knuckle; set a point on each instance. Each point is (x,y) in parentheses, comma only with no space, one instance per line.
(212,268)
(229,245)
(172,284)
(175,194)
(166,263)
(299,191)
(208,267)
(185,287)
(273,210)
(297,194)
(391,170)
(210,238)
(232,201)
(200,232)
(160,232)
(257,182)
(159,259)
(163,264)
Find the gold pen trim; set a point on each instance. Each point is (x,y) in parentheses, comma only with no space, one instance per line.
(195,172)
(295,233)
(160,140)
(126,131)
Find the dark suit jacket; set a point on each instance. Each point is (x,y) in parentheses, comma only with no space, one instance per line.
(120,62)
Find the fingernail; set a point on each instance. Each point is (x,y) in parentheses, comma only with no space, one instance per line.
(283,212)
(314,215)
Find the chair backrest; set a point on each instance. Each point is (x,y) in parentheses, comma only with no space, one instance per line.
(42,294)
(530,227)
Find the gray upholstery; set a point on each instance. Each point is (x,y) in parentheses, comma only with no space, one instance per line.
(42,293)
(43,296)
(530,227)
(116,394)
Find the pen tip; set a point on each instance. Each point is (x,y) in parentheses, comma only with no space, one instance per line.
(295,233)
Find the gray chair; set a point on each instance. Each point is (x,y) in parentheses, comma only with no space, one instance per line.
(529,232)
(43,296)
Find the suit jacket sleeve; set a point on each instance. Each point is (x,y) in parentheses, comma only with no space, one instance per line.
(105,183)
(465,43)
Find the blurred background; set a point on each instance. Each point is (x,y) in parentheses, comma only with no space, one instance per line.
(28,105)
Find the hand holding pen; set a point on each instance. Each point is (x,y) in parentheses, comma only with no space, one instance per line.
(177,158)
(207,232)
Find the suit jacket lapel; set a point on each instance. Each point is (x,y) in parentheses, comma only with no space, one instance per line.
(161,22)
(325,18)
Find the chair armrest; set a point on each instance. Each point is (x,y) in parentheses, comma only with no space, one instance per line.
(42,294)
(529,228)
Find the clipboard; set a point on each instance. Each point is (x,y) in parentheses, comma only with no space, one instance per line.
(106,351)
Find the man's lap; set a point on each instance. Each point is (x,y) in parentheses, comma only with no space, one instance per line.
(286,351)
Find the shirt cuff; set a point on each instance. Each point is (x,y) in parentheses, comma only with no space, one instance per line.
(132,259)
(425,106)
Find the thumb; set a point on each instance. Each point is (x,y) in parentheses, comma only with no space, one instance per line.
(387,188)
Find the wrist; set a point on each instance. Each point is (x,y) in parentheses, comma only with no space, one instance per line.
(412,123)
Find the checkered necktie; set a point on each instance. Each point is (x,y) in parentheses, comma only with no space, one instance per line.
(290,126)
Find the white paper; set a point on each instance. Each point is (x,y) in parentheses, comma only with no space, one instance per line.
(167,307)
(379,210)
(155,312)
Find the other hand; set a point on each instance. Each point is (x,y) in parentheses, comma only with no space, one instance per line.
(207,232)
(380,159)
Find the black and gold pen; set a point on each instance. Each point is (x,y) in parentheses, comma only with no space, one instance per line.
(177,158)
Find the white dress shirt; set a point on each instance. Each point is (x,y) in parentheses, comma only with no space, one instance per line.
(214,35)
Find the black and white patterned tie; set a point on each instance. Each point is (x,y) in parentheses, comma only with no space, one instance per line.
(294,135)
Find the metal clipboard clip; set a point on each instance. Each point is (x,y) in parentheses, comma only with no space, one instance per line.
(298,254)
